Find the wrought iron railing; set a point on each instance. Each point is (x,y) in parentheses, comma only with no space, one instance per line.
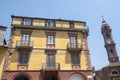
(74,46)
(51,67)
(24,43)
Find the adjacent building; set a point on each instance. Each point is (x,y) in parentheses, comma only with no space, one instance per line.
(47,49)
(3,48)
(112,70)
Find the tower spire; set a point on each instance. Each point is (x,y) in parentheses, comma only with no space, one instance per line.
(109,42)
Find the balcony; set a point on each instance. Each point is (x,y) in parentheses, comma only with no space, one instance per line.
(74,47)
(24,45)
(51,67)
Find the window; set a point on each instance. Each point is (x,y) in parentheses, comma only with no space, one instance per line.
(73,40)
(111,51)
(50,39)
(27,22)
(23,57)
(51,61)
(49,23)
(107,36)
(71,25)
(114,72)
(25,38)
(75,59)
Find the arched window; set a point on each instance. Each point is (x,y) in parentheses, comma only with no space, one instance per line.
(76,77)
(114,72)
(21,77)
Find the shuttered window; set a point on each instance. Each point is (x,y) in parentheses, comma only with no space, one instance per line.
(23,58)
(75,59)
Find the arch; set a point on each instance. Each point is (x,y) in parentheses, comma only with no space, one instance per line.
(51,77)
(24,75)
(21,77)
(114,72)
(76,76)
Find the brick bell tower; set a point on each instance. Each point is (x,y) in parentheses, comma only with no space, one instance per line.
(109,42)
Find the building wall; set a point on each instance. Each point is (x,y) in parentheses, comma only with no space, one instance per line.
(2,59)
(40,23)
(38,56)
(2,35)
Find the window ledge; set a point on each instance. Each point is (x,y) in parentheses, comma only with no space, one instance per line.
(76,66)
(22,66)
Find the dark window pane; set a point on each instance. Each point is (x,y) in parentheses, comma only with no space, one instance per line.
(51,61)
(75,59)
(71,25)
(27,22)
(49,23)
(24,58)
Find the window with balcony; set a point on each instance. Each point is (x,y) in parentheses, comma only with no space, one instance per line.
(50,39)
(49,23)
(23,57)
(51,61)
(73,40)
(75,59)
(27,22)
(25,38)
(71,24)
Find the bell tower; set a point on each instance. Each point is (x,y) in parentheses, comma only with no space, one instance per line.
(109,42)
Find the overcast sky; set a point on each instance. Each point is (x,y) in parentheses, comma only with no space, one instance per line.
(89,11)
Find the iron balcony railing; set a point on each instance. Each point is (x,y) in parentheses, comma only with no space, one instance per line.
(77,46)
(51,67)
(24,43)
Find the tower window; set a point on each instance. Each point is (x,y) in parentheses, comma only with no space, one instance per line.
(114,72)
(107,35)
(111,51)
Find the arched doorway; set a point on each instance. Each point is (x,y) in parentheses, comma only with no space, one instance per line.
(50,77)
(76,77)
(21,77)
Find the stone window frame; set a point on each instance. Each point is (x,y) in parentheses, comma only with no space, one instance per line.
(50,34)
(73,35)
(29,32)
(72,60)
(50,23)
(71,25)
(114,71)
(27,22)
(22,52)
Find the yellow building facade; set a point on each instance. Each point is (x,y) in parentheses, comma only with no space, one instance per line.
(3,48)
(47,49)
(3,51)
